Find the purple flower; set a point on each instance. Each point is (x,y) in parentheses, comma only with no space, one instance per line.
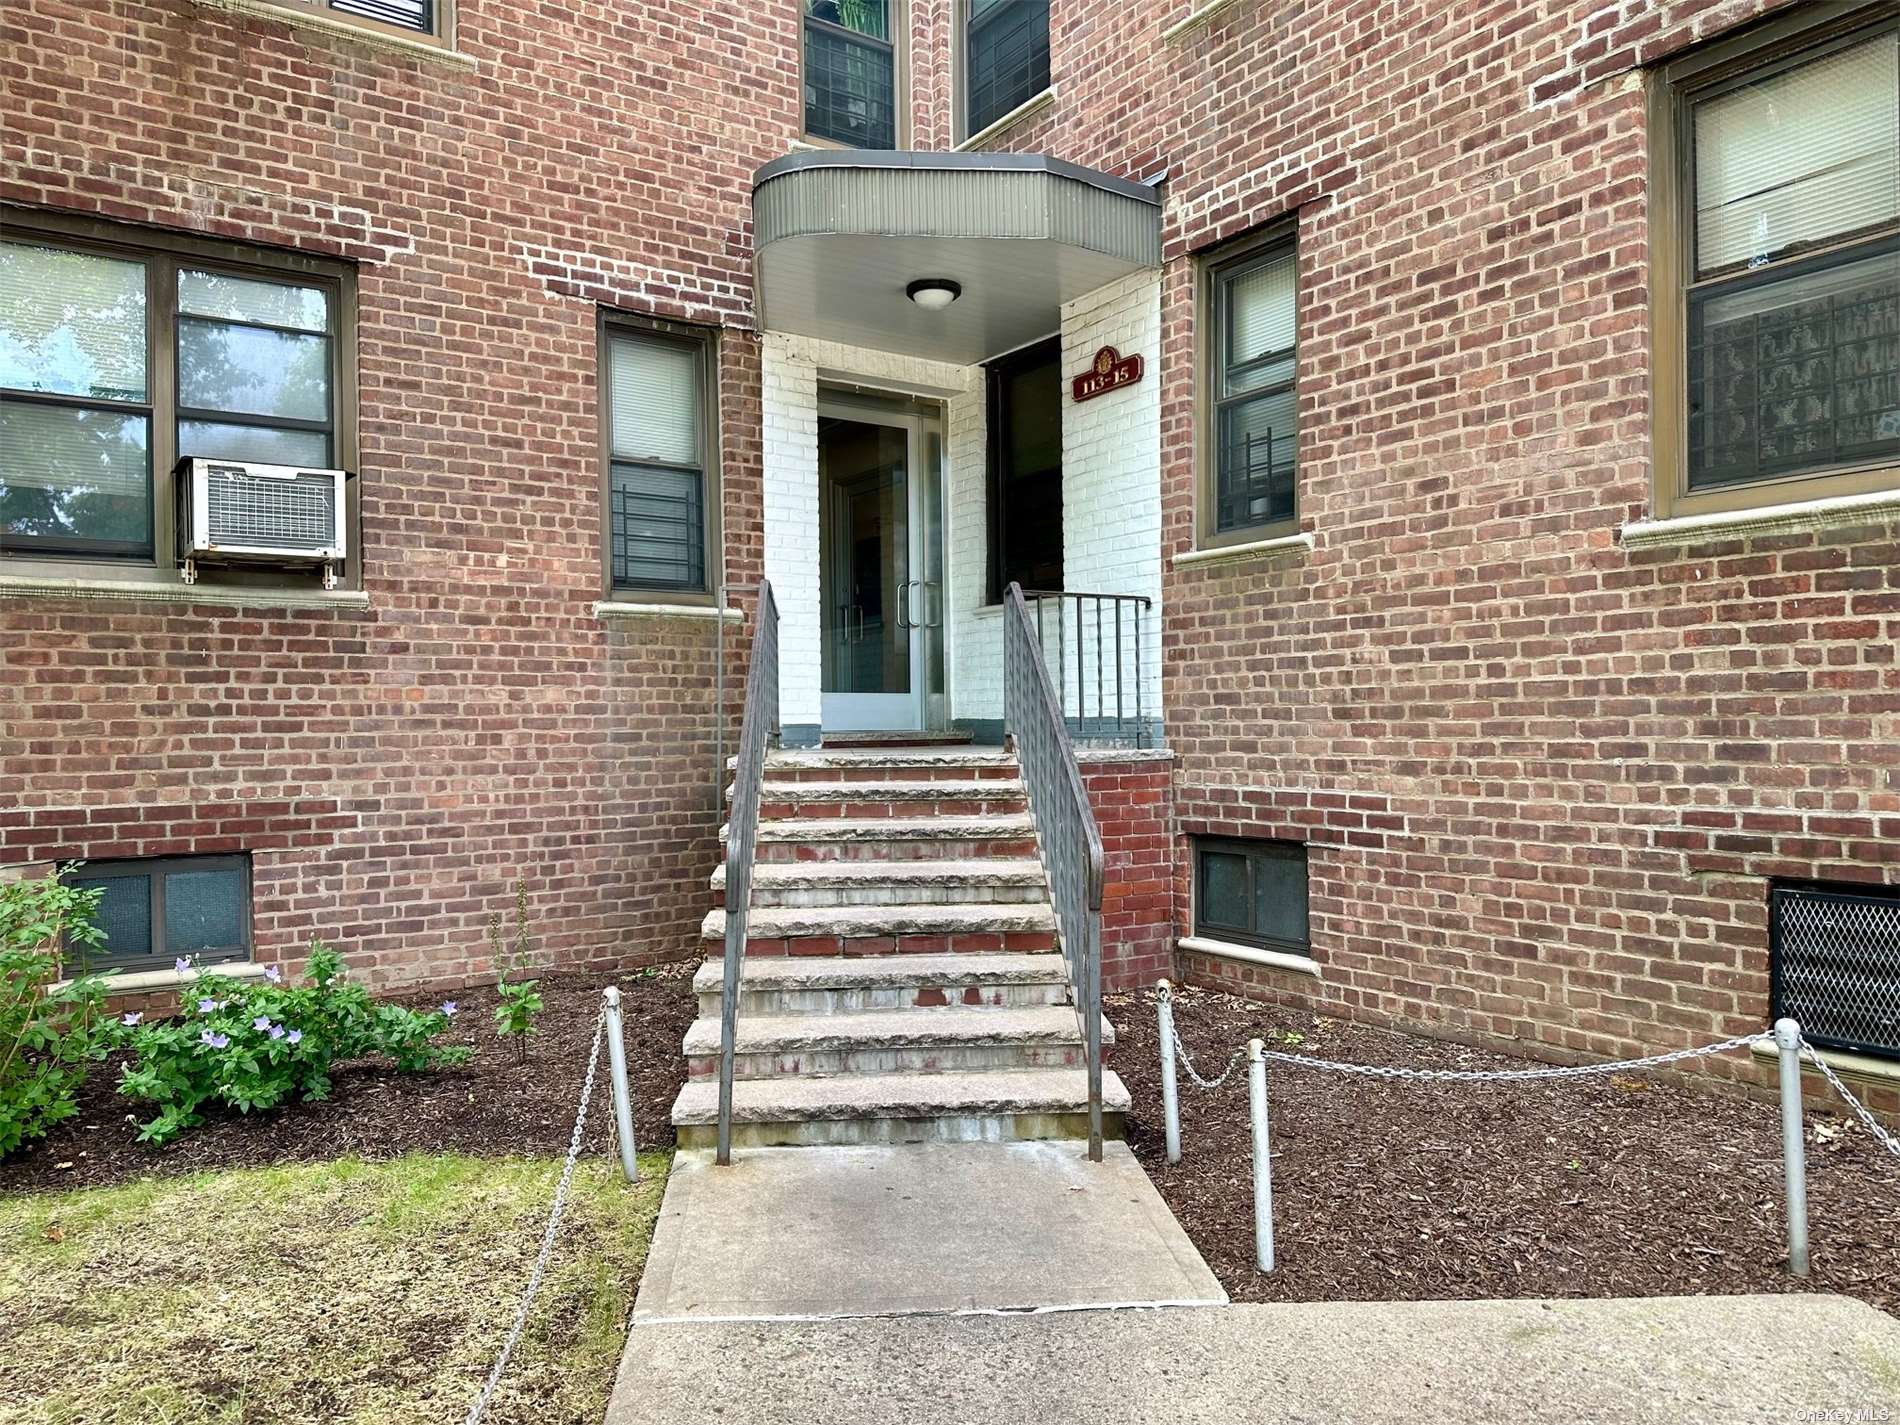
(448,1008)
(273,974)
(130,1019)
(261,1023)
(205,1006)
(277,1032)
(182,964)
(212,1040)
(294,1037)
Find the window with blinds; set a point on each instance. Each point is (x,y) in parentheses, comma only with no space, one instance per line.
(657,420)
(1005,57)
(1792,266)
(1253,310)
(422,18)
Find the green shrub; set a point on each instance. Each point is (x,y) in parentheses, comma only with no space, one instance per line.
(521,1001)
(255,1045)
(48,1037)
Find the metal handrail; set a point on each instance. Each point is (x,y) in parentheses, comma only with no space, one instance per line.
(1106,722)
(1065,829)
(758,731)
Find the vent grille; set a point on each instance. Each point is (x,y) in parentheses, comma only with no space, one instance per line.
(1836,966)
(298,513)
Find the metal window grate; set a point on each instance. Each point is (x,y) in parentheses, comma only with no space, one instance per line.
(417,15)
(1255,479)
(659,529)
(850,87)
(245,509)
(1835,965)
(1008,60)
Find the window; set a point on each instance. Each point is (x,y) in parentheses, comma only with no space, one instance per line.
(410,19)
(154,912)
(1005,58)
(661,517)
(119,356)
(1250,325)
(851,66)
(1834,963)
(1777,266)
(1025,495)
(1252,892)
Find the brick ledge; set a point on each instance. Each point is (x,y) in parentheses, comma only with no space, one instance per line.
(1769,519)
(615,608)
(1304,542)
(1195,18)
(1252,955)
(1032,105)
(1863,1067)
(144,982)
(21,586)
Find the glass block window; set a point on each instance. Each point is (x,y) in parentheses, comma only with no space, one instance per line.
(1254,313)
(1834,953)
(1252,893)
(1005,57)
(851,73)
(1793,303)
(657,420)
(156,911)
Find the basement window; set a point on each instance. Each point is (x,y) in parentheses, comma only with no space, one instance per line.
(1834,963)
(154,912)
(1252,893)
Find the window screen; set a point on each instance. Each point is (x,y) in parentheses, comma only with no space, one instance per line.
(1253,892)
(657,470)
(155,911)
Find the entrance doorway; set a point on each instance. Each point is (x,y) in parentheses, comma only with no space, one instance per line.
(880,550)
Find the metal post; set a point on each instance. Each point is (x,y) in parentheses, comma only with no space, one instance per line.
(1170,1094)
(1794,1165)
(1262,1157)
(623,1099)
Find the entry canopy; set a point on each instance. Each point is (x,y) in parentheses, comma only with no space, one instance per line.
(841,235)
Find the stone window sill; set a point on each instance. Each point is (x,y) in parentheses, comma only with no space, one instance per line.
(1008,121)
(145,982)
(1302,543)
(1251,955)
(384,40)
(1848,1065)
(618,609)
(1195,18)
(1768,519)
(21,586)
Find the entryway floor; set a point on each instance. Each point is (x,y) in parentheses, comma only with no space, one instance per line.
(807,1233)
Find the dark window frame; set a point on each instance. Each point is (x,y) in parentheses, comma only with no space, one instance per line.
(898,17)
(1782,42)
(1778,891)
(1251,850)
(164,255)
(1214,319)
(996,375)
(705,340)
(156,869)
(966,25)
(439,34)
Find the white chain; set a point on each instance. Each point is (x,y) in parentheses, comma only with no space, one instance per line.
(476,1411)
(1564,1071)
(1181,1053)
(1861,1111)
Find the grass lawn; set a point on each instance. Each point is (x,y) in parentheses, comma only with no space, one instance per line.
(345,1291)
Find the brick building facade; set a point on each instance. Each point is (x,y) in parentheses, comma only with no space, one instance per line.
(1546,735)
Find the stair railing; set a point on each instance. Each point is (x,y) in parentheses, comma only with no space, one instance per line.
(1071,843)
(758,731)
(1110,693)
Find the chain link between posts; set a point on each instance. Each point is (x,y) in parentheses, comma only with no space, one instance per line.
(482,1401)
(1861,1111)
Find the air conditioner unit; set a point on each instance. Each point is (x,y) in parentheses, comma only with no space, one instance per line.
(243,512)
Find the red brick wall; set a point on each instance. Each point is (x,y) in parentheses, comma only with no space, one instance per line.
(1129,795)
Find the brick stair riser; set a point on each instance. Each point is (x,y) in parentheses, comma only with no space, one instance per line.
(919,894)
(906,1059)
(1017,942)
(923,849)
(850,1000)
(791,810)
(780,776)
(845,1132)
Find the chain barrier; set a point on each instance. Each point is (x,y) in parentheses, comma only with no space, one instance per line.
(480,1407)
(1861,1111)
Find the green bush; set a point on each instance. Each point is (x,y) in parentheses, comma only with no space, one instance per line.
(255,1045)
(48,1037)
(520,1002)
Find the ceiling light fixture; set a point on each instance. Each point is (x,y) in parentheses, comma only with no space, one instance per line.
(933,294)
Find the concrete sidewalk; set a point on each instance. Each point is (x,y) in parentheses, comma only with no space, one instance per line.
(802,1233)
(1633,1362)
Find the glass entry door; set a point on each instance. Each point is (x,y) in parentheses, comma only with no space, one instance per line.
(880,577)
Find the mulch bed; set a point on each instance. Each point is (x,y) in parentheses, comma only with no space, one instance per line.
(1614,1186)
(493,1105)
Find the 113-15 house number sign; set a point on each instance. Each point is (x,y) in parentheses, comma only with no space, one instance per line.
(1110,371)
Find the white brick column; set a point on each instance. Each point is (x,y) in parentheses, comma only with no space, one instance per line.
(789,397)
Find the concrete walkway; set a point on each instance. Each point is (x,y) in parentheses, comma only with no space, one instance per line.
(803,1233)
(1644,1362)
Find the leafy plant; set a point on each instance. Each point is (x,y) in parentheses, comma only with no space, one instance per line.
(521,1001)
(256,1045)
(48,1037)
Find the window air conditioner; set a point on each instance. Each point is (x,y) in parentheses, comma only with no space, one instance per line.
(242,512)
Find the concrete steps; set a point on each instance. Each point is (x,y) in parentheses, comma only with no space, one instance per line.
(899,800)
(890,929)
(819,985)
(996,1105)
(891,1041)
(818,883)
(1008,837)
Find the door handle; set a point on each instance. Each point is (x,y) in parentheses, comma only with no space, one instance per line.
(903,606)
(932,620)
